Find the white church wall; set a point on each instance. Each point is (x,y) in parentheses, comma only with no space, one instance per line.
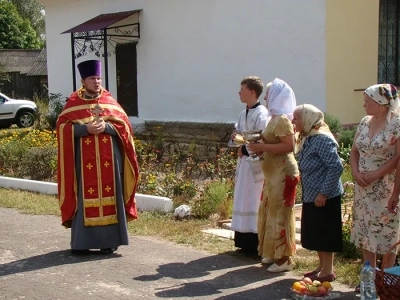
(193,54)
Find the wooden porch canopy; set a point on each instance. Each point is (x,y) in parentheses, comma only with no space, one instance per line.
(92,36)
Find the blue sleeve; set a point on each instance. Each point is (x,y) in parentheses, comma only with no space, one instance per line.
(80,130)
(327,152)
(110,129)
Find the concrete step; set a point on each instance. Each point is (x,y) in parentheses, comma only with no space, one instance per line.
(298,226)
(223,233)
(227,225)
(226,232)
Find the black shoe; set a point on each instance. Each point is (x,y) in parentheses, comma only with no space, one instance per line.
(108,250)
(79,252)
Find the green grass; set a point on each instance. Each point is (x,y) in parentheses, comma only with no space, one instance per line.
(185,232)
(347,175)
(29,203)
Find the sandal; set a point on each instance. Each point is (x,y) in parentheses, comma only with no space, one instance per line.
(308,274)
(330,278)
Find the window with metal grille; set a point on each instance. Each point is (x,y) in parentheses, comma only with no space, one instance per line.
(388,52)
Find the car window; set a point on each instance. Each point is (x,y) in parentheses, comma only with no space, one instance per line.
(2,99)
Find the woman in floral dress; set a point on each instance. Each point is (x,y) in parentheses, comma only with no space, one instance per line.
(374,155)
(276,219)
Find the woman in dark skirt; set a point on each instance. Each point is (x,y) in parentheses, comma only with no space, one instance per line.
(320,170)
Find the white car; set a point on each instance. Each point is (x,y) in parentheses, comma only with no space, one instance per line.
(20,112)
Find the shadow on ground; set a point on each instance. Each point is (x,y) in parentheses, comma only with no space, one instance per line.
(198,268)
(244,272)
(243,277)
(51,259)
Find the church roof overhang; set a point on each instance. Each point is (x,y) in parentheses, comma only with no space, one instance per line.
(97,36)
(101,21)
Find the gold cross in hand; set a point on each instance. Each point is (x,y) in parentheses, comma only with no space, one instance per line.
(96,112)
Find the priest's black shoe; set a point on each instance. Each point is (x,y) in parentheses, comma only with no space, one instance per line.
(80,252)
(108,250)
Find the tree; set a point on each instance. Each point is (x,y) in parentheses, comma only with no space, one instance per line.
(16,32)
(32,11)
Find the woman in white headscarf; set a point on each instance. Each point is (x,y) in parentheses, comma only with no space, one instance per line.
(320,170)
(374,155)
(276,219)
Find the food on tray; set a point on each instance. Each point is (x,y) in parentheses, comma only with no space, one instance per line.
(309,287)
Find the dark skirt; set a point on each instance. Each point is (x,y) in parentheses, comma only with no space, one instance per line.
(321,227)
(247,241)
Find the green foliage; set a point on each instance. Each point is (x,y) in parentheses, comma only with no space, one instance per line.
(344,152)
(15,31)
(48,111)
(344,136)
(10,157)
(179,171)
(334,123)
(33,11)
(349,249)
(39,163)
(27,148)
(299,193)
(185,188)
(347,176)
(216,199)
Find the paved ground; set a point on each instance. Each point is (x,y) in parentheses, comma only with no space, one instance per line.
(35,263)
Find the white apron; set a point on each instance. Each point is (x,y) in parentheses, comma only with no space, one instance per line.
(247,194)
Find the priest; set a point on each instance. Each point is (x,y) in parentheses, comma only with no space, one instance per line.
(97,166)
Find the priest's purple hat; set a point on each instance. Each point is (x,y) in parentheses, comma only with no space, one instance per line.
(89,68)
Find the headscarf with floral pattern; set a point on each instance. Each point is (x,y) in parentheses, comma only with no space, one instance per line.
(385,94)
(313,124)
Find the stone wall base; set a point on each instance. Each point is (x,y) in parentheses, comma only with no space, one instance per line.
(185,132)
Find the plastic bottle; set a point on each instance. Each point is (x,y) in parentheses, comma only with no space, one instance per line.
(367,284)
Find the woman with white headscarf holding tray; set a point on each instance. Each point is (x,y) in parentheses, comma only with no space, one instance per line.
(276,219)
(374,155)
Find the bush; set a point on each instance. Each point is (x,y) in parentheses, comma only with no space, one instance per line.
(345,137)
(334,124)
(16,151)
(216,199)
(344,153)
(186,188)
(48,111)
(39,163)
(10,157)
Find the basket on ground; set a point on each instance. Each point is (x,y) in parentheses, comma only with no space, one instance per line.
(387,285)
